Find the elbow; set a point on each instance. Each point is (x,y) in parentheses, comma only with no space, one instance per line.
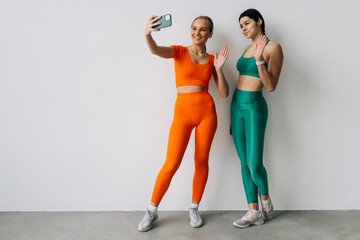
(224,94)
(270,89)
(154,52)
(272,86)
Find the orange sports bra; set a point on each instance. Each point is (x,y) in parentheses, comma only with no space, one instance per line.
(188,72)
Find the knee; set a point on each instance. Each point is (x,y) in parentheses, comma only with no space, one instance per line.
(256,169)
(169,169)
(202,164)
(245,168)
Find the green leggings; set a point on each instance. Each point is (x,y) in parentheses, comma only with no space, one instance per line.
(248,122)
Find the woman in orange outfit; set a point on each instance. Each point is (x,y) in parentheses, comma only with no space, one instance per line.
(194,108)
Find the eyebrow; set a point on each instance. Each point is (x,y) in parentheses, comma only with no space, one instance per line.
(200,27)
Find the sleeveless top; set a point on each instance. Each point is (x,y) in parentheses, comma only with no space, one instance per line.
(247,66)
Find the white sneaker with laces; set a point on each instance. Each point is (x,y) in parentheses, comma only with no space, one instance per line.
(195,218)
(147,223)
(249,219)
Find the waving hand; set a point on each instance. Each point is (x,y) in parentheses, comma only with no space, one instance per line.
(219,61)
(259,48)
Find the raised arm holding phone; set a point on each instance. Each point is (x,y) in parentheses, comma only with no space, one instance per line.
(194,109)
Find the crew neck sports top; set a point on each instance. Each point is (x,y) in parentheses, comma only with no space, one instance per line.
(188,72)
(247,66)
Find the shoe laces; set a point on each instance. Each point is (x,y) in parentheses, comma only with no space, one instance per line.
(195,214)
(149,215)
(267,206)
(248,215)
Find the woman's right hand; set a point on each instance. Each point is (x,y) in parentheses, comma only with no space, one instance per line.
(150,24)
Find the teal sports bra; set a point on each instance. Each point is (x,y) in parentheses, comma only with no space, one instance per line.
(247,66)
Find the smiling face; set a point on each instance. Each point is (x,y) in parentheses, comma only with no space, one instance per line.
(249,27)
(200,31)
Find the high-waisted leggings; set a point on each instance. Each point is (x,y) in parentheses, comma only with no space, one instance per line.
(249,114)
(192,110)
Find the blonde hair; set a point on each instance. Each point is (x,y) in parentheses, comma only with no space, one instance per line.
(211,24)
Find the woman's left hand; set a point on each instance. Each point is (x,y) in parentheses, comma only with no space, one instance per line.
(259,48)
(219,61)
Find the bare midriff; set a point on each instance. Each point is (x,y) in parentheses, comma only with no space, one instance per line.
(190,89)
(249,83)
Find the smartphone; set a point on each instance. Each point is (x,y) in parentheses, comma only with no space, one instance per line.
(165,21)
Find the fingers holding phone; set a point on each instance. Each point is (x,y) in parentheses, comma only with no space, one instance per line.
(151,23)
(155,23)
(165,21)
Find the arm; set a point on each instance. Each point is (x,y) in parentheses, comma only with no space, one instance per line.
(219,76)
(161,51)
(269,77)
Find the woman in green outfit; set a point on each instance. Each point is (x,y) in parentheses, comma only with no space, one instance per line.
(259,66)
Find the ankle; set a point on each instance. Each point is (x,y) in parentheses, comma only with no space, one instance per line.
(152,208)
(194,205)
(255,212)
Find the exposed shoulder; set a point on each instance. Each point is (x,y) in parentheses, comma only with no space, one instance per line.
(247,47)
(273,51)
(273,47)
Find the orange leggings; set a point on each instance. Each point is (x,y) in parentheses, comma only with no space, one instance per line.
(191,110)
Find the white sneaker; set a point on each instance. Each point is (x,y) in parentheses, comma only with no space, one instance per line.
(267,208)
(249,219)
(147,223)
(195,218)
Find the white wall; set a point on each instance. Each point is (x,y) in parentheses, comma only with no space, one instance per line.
(85,109)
